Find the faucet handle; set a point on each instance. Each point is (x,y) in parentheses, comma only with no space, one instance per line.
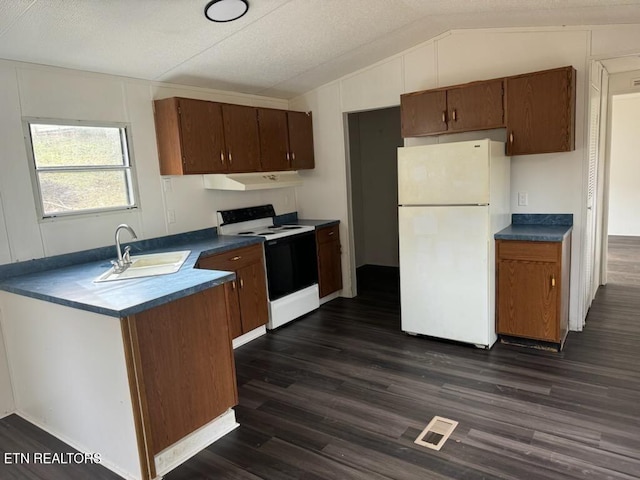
(126,256)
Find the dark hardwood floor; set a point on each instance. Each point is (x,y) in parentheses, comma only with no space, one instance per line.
(342,394)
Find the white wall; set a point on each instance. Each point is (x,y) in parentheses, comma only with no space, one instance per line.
(36,91)
(554,182)
(624,173)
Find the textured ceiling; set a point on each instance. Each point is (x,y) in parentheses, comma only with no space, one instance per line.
(281,48)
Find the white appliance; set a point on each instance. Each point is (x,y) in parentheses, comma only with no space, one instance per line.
(290,260)
(452,199)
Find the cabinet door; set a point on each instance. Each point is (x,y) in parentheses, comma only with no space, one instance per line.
(184,369)
(241,138)
(274,140)
(252,292)
(527,299)
(233,308)
(329,262)
(477,106)
(300,125)
(189,135)
(423,113)
(541,112)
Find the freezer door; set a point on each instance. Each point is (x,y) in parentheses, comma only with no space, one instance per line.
(444,174)
(445,273)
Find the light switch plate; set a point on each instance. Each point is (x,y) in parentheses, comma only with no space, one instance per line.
(523,199)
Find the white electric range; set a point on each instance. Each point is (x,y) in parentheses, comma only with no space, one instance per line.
(290,260)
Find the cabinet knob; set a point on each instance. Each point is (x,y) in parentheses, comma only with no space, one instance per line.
(511,137)
(221,157)
(331,233)
(233,285)
(444,116)
(241,283)
(230,157)
(288,158)
(553,281)
(454,115)
(293,156)
(237,257)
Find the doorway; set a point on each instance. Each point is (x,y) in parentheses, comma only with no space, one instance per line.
(623,226)
(374,137)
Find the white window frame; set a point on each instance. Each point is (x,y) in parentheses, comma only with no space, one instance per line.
(128,167)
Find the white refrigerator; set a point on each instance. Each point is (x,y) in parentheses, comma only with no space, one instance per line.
(452,199)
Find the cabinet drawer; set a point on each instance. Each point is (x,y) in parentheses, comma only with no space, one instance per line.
(233,259)
(328,234)
(528,251)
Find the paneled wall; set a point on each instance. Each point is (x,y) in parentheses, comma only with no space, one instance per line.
(35,91)
(555,183)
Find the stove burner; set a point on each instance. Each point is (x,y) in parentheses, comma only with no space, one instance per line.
(291,227)
(246,233)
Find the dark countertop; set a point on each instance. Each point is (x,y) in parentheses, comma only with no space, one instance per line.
(71,284)
(68,279)
(537,228)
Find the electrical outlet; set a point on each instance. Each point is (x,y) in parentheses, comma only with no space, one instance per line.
(523,199)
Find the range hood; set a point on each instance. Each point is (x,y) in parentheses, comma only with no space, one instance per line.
(252,181)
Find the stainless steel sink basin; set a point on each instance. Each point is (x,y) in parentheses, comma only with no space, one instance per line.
(149,265)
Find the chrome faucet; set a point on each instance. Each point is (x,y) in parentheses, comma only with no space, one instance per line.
(123,261)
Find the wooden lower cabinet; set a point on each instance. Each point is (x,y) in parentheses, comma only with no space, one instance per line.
(181,369)
(246,296)
(532,289)
(329,262)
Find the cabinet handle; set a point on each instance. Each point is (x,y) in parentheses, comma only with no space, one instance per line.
(288,158)
(293,156)
(241,283)
(237,257)
(444,116)
(331,233)
(230,157)
(233,285)
(222,157)
(455,115)
(553,281)
(511,138)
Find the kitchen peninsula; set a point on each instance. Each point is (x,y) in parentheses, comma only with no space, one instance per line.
(139,371)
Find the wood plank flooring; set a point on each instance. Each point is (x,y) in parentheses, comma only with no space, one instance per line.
(342,394)
(623,260)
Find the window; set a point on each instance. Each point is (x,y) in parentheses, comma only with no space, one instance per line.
(80,167)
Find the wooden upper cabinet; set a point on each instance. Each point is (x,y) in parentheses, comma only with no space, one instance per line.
(300,126)
(423,113)
(274,139)
(541,112)
(476,106)
(189,135)
(241,138)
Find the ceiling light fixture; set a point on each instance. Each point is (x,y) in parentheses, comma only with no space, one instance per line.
(225,10)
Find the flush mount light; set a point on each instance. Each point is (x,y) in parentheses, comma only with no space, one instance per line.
(225,10)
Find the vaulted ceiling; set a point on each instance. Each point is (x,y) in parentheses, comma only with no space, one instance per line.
(280,48)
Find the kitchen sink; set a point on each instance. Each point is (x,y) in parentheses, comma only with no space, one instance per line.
(149,265)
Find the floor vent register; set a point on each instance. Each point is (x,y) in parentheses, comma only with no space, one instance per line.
(436,433)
